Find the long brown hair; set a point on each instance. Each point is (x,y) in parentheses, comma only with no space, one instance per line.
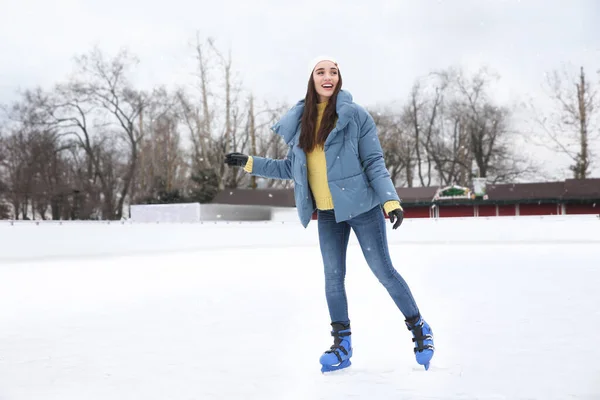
(309,117)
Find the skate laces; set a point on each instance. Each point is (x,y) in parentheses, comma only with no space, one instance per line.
(337,344)
(419,338)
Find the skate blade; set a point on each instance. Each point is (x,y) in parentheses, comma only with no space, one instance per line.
(331,368)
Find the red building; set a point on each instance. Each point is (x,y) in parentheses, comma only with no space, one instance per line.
(572,196)
(546,198)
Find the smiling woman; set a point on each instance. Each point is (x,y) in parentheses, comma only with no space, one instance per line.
(336,162)
(324,84)
(325,78)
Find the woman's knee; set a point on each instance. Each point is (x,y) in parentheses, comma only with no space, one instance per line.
(335,277)
(384,271)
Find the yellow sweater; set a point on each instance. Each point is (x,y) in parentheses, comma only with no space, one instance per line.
(317,169)
(317,173)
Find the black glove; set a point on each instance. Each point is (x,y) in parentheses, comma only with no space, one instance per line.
(396,214)
(236,159)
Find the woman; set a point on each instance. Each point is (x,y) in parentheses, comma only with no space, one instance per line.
(336,162)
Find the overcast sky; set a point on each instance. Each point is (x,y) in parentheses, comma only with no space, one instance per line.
(382,47)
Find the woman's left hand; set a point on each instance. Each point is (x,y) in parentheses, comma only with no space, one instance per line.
(396,215)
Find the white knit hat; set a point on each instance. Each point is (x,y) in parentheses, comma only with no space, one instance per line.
(313,63)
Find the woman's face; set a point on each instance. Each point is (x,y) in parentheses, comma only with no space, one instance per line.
(326,78)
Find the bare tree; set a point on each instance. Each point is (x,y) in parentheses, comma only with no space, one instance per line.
(398,146)
(94,131)
(104,82)
(33,166)
(49,166)
(476,132)
(572,123)
(268,143)
(428,139)
(215,119)
(220,116)
(96,106)
(15,172)
(69,111)
(4,209)
(162,168)
(449,148)
(421,116)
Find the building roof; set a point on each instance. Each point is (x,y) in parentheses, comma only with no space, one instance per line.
(582,189)
(570,190)
(416,194)
(526,191)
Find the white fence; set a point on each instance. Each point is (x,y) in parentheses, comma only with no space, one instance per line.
(196,212)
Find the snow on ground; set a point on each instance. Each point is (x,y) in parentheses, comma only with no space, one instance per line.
(512,320)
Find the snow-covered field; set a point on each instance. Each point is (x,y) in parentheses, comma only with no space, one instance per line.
(237,311)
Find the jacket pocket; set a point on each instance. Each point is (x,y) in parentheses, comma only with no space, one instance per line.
(354,191)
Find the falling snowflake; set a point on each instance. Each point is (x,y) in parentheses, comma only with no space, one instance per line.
(270,195)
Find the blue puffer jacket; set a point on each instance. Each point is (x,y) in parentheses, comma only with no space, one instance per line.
(356,172)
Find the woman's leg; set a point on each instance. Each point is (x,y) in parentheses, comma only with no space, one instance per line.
(370,231)
(333,240)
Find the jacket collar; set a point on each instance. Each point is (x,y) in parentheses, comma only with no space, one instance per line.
(287,126)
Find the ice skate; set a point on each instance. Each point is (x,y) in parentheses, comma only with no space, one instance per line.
(423,339)
(338,355)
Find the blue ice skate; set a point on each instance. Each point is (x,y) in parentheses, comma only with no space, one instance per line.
(423,339)
(338,355)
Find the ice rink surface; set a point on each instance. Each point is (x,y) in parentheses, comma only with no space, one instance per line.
(512,320)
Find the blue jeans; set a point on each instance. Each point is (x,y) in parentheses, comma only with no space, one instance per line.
(370,231)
